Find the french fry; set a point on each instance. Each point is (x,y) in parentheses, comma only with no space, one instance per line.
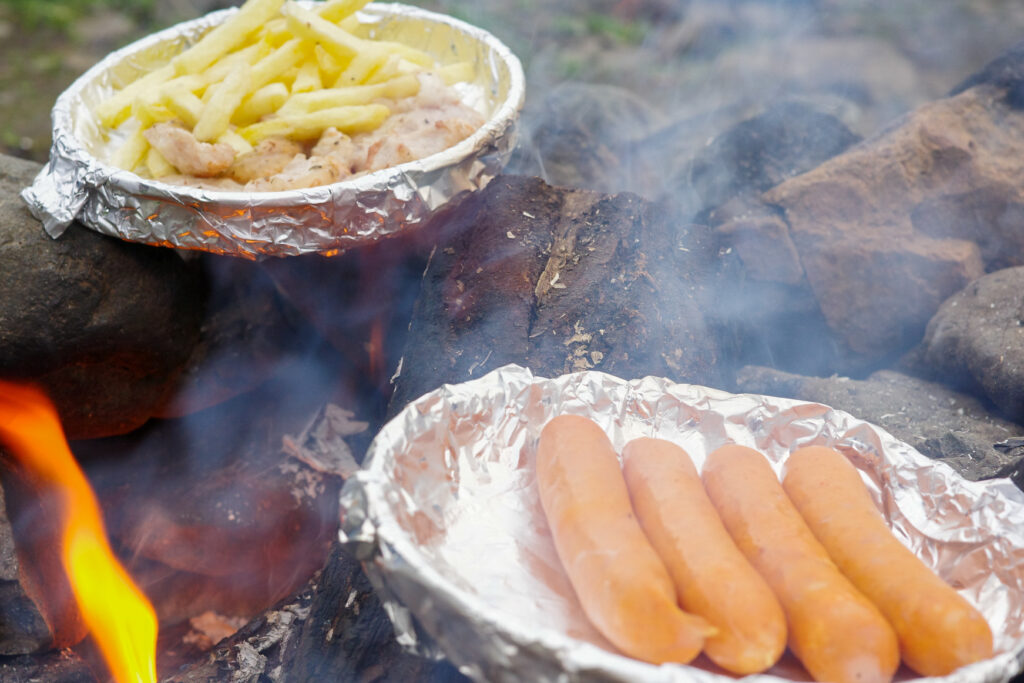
(266,100)
(185,104)
(225,37)
(222,104)
(113,111)
(359,69)
(304,103)
(157,165)
(218,71)
(132,151)
(330,67)
(308,77)
(314,28)
(147,109)
(348,120)
(276,63)
(336,10)
(237,142)
(459,72)
(392,67)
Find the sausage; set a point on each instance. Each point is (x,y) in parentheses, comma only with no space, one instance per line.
(835,631)
(938,630)
(622,584)
(712,577)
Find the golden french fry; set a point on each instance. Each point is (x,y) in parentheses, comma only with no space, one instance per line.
(276,63)
(237,142)
(185,104)
(147,109)
(330,67)
(225,37)
(219,70)
(157,164)
(266,100)
(388,70)
(336,10)
(226,97)
(348,120)
(132,151)
(403,86)
(114,110)
(316,29)
(459,72)
(308,77)
(359,69)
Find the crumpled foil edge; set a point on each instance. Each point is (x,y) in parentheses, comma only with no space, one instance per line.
(329,219)
(435,616)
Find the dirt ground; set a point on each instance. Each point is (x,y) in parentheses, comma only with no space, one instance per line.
(685,58)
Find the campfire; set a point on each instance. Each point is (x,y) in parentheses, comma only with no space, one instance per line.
(854,241)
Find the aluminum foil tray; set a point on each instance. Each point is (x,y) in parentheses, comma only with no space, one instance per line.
(327,219)
(446,519)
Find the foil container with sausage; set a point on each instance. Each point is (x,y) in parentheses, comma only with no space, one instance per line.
(446,519)
(77,184)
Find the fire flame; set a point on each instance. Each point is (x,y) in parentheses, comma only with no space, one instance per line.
(118,615)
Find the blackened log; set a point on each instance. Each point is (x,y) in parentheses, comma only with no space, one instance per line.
(333,630)
(62,666)
(560,280)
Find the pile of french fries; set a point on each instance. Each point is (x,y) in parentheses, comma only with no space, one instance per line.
(274,68)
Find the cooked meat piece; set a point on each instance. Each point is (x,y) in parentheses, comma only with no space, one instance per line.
(186,153)
(268,158)
(299,173)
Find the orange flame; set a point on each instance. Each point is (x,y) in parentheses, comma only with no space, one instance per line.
(118,615)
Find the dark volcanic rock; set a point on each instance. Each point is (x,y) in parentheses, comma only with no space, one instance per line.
(105,326)
(787,139)
(940,423)
(580,136)
(976,339)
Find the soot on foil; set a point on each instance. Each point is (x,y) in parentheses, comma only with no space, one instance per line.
(446,519)
(76,184)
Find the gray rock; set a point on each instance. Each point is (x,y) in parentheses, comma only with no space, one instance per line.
(105,326)
(37,609)
(22,627)
(976,339)
(939,422)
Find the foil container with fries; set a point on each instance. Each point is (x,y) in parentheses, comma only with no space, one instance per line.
(77,184)
(446,519)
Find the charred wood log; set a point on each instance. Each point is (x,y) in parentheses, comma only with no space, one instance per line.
(560,280)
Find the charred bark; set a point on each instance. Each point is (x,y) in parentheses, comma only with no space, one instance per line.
(560,280)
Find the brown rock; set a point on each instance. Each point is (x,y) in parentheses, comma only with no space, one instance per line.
(874,229)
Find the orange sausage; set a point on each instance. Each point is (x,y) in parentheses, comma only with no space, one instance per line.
(938,630)
(837,633)
(623,586)
(713,578)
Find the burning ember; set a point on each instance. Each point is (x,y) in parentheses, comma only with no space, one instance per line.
(117,613)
